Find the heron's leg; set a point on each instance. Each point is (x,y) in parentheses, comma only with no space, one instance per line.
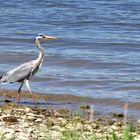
(19,92)
(28,86)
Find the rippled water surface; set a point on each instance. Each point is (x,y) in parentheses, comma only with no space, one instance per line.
(97,53)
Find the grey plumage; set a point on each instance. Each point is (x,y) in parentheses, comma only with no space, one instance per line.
(18,74)
(23,72)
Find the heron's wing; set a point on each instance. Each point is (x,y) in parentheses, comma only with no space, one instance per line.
(18,74)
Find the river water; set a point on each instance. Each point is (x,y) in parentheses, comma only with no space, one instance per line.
(97,53)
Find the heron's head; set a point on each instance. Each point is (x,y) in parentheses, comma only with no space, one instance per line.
(44,37)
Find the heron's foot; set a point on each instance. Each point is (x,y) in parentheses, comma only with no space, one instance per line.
(35,100)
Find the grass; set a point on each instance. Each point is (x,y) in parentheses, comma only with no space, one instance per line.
(127,135)
(74,135)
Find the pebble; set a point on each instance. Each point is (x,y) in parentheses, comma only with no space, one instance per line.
(27,110)
(113,127)
(32,126)
(138,121)
(8,136)
(38,120)
(79,127)
(30,118)
(9,118)
(87,128)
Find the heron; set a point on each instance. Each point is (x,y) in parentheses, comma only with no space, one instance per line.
(25,71)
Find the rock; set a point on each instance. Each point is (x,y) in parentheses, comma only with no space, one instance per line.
(113,127)
(111,122)
(118,124)
(87,127)
(38,120)
(8,136)
(138,121)
(55,135)
(27,110)
(30,118)
(42,134)
(70,127)
(137,137)
(30,130)
(24,125)
(79,127)
(95,126)
(84,107)
(56,127)
(22,136)
(8,130)
(118,115)
(63,122)
(99,135)
(10,119)
(31,114)
(62,129)
(56,114)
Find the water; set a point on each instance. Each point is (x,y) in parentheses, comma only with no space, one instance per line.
(96,54)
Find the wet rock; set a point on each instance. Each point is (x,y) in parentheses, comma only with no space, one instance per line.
(84,107)
(118,115)
(10,119)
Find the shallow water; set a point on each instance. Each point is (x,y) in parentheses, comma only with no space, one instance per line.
(96,54)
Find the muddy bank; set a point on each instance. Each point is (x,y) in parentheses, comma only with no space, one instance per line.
(72,102)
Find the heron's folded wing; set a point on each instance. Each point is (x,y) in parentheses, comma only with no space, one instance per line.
(18,74)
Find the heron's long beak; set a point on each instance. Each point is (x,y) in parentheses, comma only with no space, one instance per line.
(50,37)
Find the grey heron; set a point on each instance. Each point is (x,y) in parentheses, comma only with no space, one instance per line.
(23,72)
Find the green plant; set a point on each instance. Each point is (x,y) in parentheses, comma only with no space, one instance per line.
(127,133)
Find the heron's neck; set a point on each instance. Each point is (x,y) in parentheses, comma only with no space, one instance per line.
(41,50)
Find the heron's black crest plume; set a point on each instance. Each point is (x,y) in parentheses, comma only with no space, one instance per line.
(41,35)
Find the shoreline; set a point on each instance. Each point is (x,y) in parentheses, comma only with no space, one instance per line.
(103,106)
(57,121)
